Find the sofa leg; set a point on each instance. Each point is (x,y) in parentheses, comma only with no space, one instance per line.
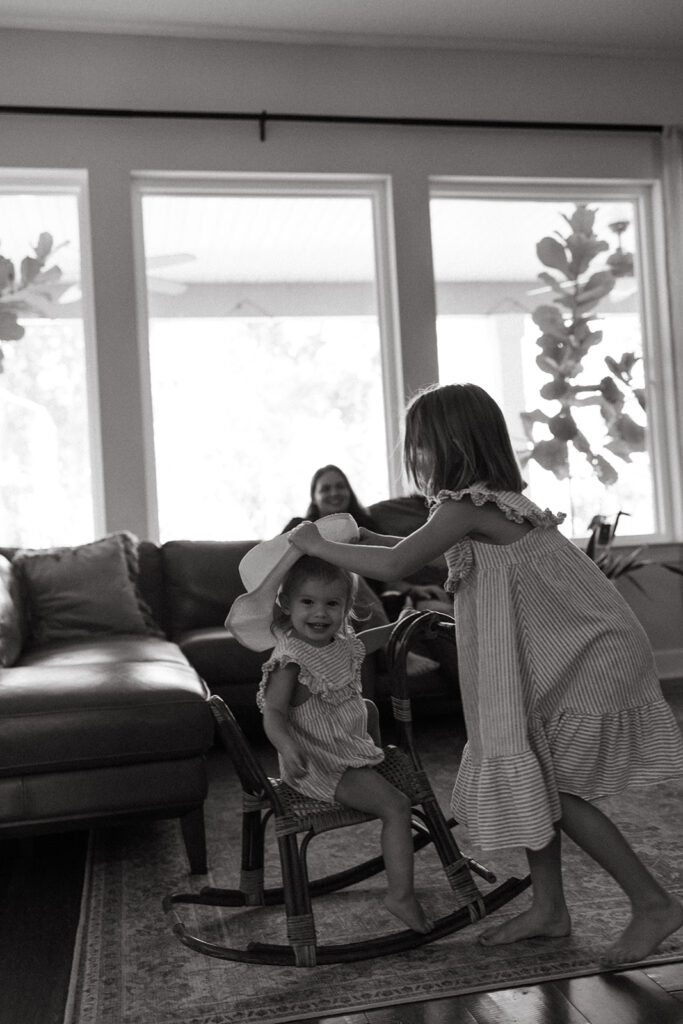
(194,837)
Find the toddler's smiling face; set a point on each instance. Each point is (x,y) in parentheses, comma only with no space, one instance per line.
(316,610)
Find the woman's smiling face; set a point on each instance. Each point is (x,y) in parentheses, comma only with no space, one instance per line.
(331,493)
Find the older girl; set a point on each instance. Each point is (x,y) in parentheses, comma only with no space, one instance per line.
(561,698)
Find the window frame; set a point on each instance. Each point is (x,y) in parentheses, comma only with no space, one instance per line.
(75,181)
(663,418)
(377,188)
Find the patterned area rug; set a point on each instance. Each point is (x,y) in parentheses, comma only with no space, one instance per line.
(130,969)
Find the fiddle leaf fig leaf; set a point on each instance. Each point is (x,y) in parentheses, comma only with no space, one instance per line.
(553,456)
(604,470)
(44,246)
(582,219)
(552,282)
(6,274)
(551,253)
(549,319)
(631,433)
(595,288)
(563,427)
(10,330)
(30,269)
(549,365)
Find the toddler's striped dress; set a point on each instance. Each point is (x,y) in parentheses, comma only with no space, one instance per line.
(558,681)
(331,727)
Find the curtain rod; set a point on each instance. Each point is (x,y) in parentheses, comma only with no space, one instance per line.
(263,117)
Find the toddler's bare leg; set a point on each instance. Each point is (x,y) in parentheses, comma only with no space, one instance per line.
(365,790)
(548,915)
(654,912)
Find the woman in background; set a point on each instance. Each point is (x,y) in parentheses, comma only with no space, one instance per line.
(330,493)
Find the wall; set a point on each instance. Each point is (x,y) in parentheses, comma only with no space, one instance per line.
(78,69)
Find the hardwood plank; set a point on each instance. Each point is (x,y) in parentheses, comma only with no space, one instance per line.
(345,1018)
(537,1004)
(40,893)
(627,997)
(435,1011)
(668,976)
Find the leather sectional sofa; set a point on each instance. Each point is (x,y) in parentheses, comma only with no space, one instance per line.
(104,680)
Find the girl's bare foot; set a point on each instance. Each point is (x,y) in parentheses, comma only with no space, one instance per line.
(410,912)
(646,929)
(528,925)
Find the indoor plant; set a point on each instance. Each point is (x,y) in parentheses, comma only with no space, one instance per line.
(34,294)
(567,334)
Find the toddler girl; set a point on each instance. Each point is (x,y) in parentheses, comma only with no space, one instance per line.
(316,718)
(560,696)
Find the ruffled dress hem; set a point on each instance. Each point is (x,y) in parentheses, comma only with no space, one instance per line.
(559,760)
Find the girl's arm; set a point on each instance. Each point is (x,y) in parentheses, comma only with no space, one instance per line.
(281,692)
(381,539)
(452,521)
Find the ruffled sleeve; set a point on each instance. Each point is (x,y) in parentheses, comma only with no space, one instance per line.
(333,675)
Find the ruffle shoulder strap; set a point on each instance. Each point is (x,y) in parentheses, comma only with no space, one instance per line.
(516,506)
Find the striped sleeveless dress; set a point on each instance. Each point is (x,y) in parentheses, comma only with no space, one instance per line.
(559,688)
(331,727)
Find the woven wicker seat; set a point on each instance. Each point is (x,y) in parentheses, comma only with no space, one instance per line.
(294,816)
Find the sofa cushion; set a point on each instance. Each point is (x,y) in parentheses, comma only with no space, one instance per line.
(221,660)
(397,517)
(11,626)
(103,651)
(201,580)
(77,591)
(72,715)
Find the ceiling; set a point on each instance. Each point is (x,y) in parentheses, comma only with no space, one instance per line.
(588,26)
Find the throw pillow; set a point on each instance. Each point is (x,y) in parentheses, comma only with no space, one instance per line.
(73,592)
(11,632)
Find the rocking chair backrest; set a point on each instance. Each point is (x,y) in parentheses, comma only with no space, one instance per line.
(251,775)
(413,627)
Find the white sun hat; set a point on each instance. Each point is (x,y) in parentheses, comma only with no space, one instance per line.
(263,569)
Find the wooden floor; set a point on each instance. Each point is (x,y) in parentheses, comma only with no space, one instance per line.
(40,886)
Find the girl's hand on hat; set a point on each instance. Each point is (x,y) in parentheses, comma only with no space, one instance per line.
(306,537)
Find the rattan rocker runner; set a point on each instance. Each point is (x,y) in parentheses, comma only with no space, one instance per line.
(294,815)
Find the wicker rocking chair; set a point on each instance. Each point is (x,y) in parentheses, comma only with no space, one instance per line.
(294,815)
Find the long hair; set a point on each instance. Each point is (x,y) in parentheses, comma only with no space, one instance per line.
(456,436)
(358,511)
(308,567)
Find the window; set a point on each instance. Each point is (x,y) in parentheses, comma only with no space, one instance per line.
(578,421)
(48,490)
(265,351)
